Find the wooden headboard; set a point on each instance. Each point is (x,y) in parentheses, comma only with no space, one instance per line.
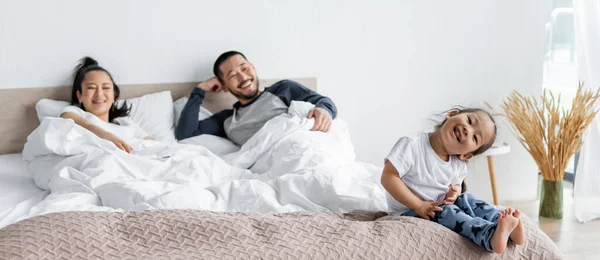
(18,117)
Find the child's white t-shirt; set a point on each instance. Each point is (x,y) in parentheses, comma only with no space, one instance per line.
(423,171)
(123,127)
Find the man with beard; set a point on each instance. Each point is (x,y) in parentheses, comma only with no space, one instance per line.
(236,75)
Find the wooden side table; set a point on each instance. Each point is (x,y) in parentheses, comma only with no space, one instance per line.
(496,149)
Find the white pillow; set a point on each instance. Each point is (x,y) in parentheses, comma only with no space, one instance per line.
(178,107)
(152,112)
(217,145)
(49,108)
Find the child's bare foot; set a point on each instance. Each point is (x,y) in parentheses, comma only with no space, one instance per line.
(506,224)
(518,235)
(504,212)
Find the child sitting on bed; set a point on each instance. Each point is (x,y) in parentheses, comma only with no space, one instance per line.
(95,94)
(423,174)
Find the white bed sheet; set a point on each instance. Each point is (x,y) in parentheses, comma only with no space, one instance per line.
(284,167)
(18,192)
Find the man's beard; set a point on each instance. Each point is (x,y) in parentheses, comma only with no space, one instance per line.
(250,96)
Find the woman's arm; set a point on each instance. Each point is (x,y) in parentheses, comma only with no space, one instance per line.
(391,181)
(138,132)
(97,130)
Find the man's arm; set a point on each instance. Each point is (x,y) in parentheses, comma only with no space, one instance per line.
(324,111)
(189,125)
(290,91)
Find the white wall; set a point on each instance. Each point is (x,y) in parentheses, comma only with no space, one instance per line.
(388,65)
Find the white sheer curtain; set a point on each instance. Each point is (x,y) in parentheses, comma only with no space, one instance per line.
(587,178)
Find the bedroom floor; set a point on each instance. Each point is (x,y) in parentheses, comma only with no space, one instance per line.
(575,240)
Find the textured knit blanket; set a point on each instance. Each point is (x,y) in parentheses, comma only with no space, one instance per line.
(187,234)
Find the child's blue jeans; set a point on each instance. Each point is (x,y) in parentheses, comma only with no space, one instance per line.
(470,217)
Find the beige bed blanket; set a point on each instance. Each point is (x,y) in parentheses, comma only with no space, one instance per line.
(185,234)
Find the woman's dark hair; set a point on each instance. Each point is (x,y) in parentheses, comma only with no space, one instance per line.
(461,110)
(87,64)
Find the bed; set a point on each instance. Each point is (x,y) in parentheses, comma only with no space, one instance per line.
(274,217)
(18,192)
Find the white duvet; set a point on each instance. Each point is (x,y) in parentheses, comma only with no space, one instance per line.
(285,167)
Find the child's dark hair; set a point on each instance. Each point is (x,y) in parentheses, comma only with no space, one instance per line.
(87,64)
(462,110)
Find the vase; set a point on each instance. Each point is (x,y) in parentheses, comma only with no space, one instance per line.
(551,199)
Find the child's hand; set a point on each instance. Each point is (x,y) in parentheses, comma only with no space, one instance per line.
(452,194)
(428,208)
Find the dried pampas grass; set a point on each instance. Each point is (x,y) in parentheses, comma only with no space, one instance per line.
(551,135)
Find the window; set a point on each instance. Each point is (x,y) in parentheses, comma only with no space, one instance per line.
(560,62)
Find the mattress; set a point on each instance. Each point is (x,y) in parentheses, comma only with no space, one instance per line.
(18,192)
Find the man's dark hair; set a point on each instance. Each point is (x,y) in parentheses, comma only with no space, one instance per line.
(222,58)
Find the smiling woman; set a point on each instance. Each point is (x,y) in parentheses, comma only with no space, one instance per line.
(95,93)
